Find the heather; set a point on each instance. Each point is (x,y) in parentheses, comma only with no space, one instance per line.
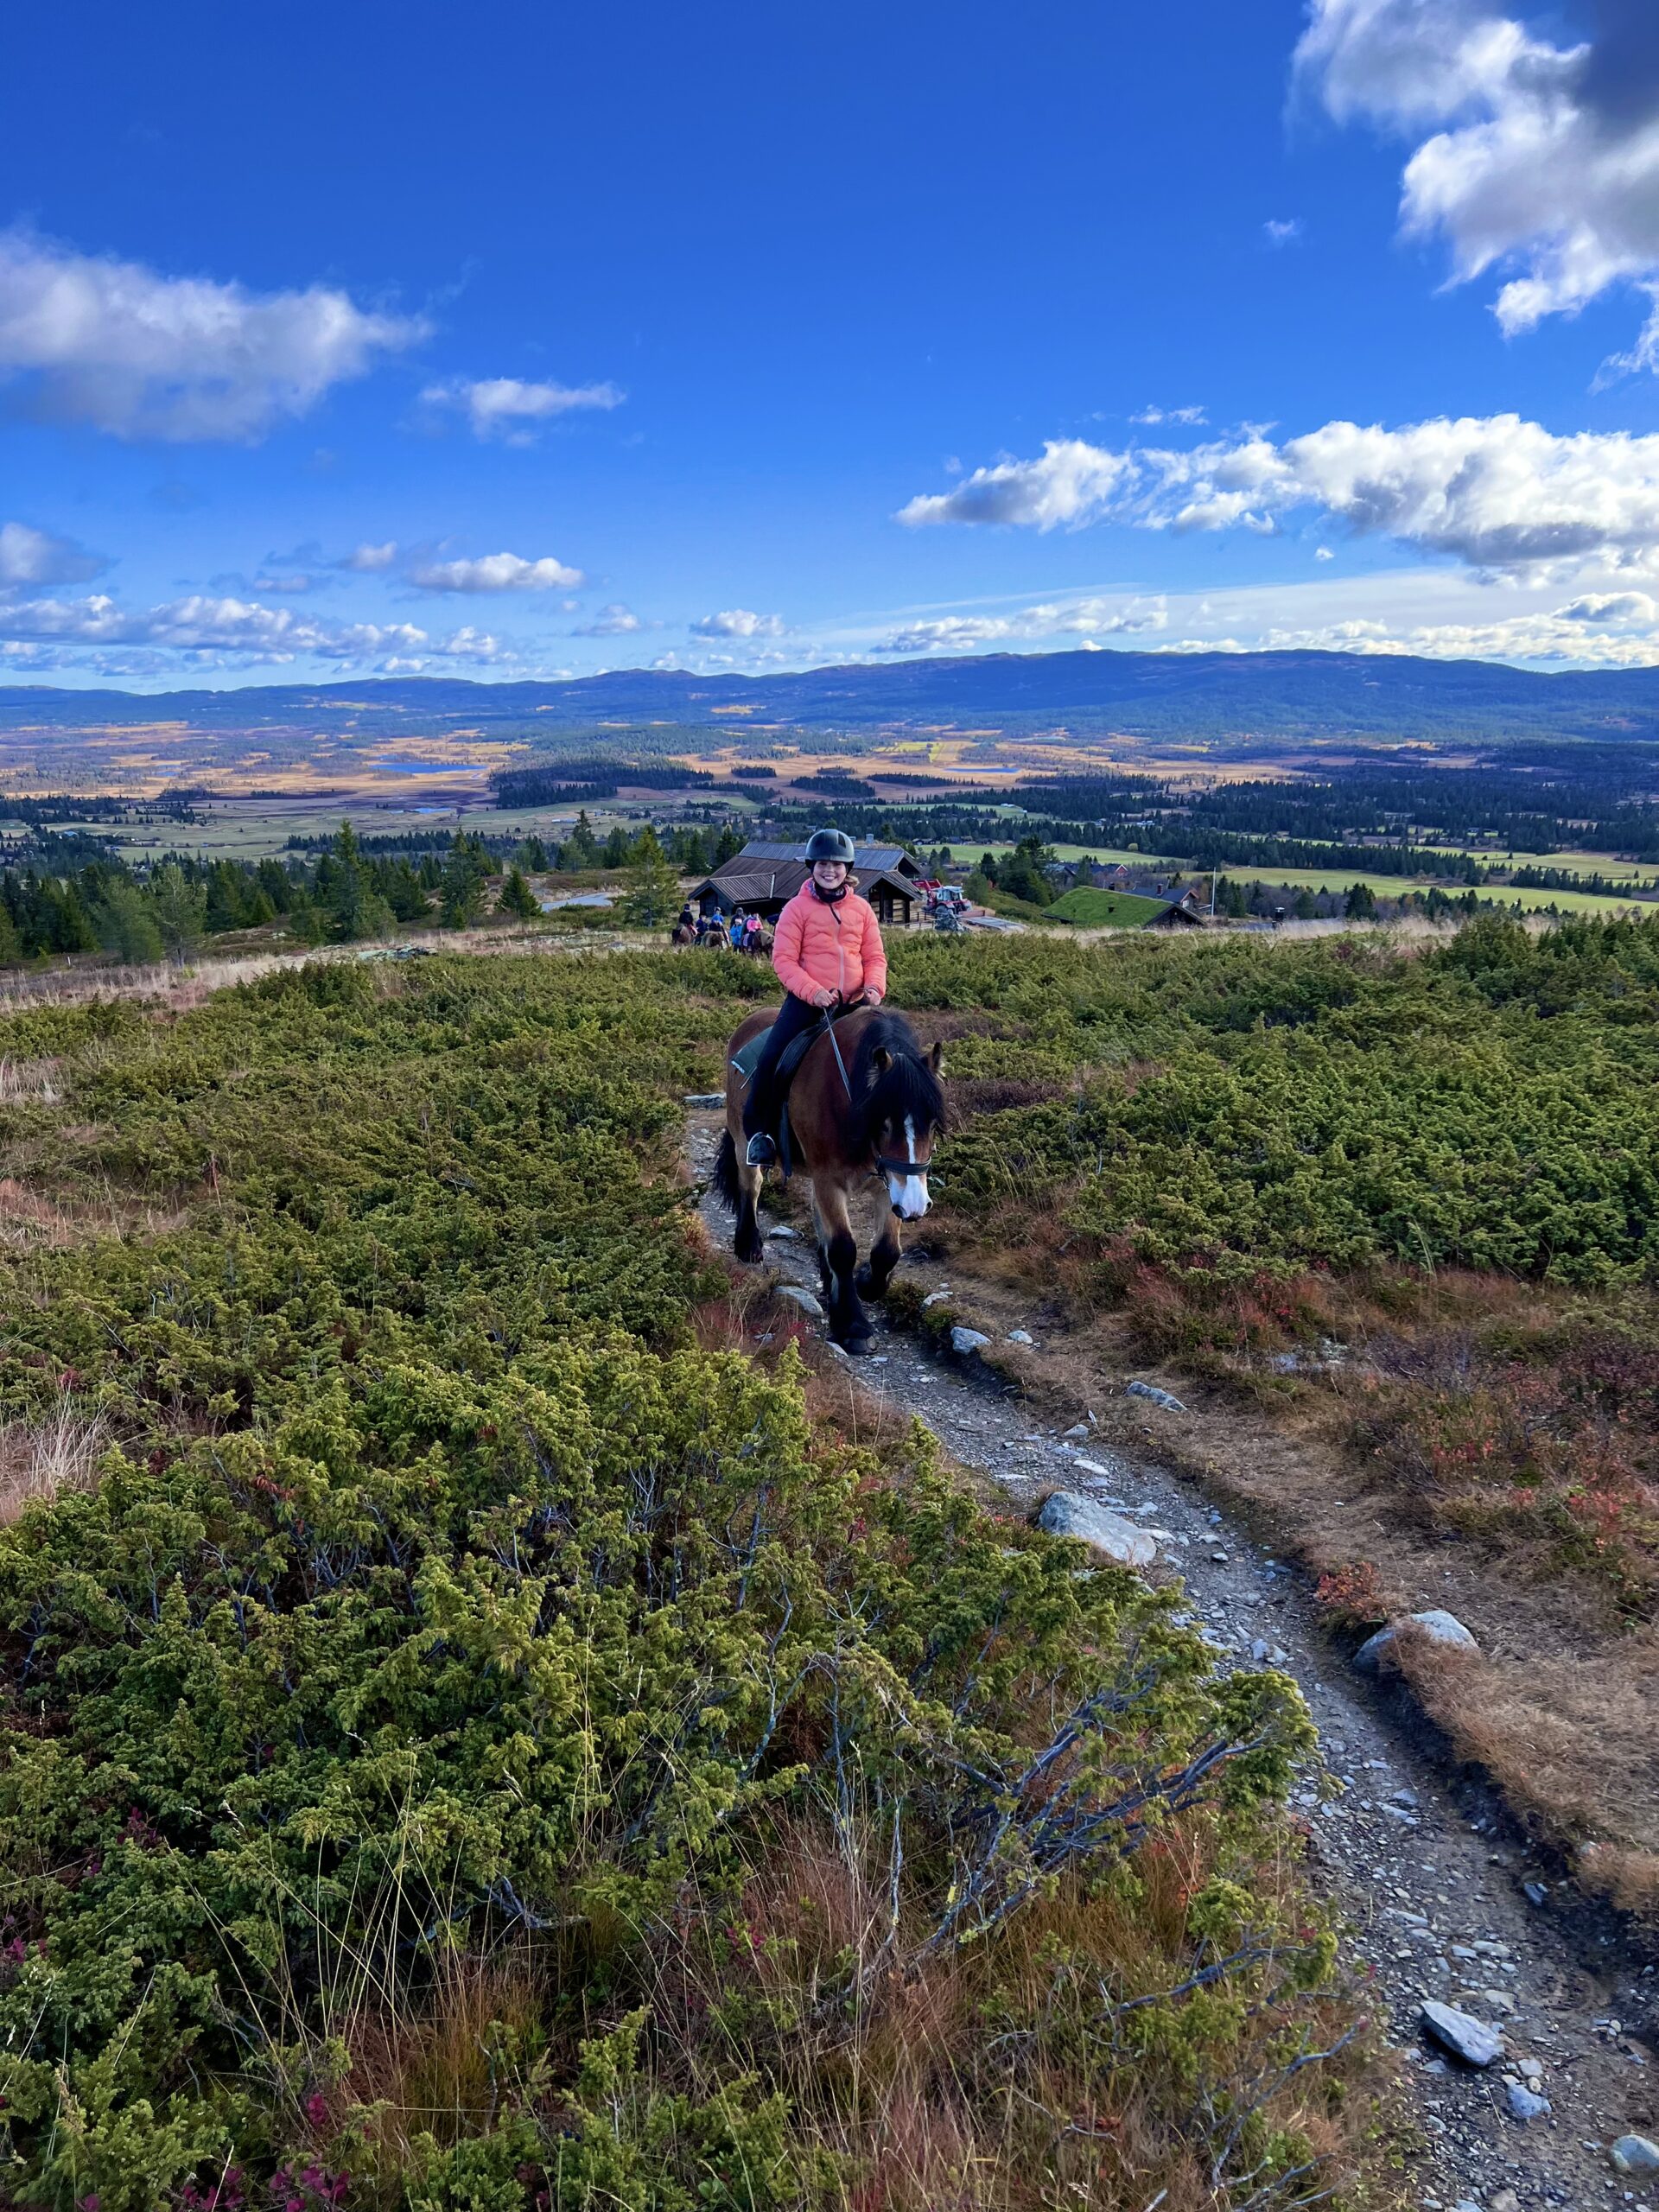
(472,1736)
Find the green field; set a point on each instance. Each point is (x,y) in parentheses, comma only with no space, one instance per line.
(1088,908)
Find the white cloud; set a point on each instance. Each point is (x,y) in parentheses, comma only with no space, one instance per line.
(293,585)
(1502,494)
(1541,160)
(613,621)
(1083,619)
(1283,233)
(1072,483)
(205,630)
(1323,553)
(497,572)
(738,622)
(31,557)
(1150,415)
(141,355)
(512,410)
(369,560)
(1562,636)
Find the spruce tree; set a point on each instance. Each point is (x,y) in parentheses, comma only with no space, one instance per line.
(516,897)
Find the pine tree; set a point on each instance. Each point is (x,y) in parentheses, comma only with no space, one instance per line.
(616,853)
(580,848)
(126,924)
(178,905)
(460,898)
(653,896)
(727,845)
(1360,906)
(516,897)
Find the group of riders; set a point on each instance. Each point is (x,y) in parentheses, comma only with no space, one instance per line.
(715,931)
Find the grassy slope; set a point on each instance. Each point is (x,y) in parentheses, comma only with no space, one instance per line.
(467,1743)
(1238,1151)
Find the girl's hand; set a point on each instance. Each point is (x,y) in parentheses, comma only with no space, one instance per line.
(824,998)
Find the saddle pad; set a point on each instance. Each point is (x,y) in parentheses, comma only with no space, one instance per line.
(746,1059)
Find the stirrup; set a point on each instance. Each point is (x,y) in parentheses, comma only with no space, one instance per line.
(761,1150)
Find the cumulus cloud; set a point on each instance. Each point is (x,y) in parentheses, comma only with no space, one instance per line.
(31,557)
(738,622)
(1084,619)
(513,410)
(1073,482)
(1282,233)
(1534,158)
(613,621)
(1502,494)
(370,560)
(89,338)
(1150,415)
(497,572)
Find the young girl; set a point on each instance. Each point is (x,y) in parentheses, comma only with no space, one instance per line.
(827,952)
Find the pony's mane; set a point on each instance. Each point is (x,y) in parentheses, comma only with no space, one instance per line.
(908,1086)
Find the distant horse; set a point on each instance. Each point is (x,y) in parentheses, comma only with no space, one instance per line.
(865,1101)
(684,933)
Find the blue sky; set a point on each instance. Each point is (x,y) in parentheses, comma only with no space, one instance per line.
(506,341)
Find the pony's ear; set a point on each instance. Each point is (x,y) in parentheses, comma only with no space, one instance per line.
(880,1059)
(936,1060)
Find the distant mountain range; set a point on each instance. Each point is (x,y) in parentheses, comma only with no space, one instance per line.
(1209,696)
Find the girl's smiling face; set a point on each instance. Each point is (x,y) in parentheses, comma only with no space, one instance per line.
(829,875)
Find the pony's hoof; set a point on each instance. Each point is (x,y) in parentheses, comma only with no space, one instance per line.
(750,1252)
(856,1347)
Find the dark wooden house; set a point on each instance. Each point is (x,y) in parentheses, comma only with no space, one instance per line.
(764,877)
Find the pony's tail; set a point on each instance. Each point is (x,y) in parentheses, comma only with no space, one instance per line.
(725,1188)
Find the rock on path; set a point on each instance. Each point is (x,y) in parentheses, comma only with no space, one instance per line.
(1436,1897)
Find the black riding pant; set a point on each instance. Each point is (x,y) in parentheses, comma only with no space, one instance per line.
(760,1108)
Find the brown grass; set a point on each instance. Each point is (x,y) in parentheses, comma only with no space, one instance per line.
(41,1459)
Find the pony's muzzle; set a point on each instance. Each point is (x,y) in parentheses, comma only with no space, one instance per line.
(908,1194)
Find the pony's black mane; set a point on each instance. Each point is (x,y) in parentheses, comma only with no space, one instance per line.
(908,1086)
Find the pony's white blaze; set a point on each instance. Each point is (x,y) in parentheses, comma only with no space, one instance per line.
(909,1192)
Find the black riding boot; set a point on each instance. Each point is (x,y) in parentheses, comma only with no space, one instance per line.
(759,1105)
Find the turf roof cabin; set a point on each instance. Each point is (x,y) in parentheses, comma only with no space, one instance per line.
(763,878)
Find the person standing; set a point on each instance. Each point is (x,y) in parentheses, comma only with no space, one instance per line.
(827,952)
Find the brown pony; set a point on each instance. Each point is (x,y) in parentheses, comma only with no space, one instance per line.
(865,1101)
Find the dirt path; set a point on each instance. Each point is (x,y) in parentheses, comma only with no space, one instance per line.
(1434,1888)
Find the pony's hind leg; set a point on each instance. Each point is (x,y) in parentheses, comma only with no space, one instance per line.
(850,1324)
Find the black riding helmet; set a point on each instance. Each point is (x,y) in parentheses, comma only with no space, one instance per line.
(830,845)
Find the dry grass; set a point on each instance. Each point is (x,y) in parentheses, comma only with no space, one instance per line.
(1572,1739)
(29,1083)
(39,1459)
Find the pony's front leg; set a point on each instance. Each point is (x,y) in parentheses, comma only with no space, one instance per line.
(748,1243)
(850,1326)
(885,1255)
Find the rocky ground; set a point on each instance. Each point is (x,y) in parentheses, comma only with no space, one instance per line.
(1446,1906)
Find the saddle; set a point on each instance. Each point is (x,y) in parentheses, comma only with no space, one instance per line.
(746,1059)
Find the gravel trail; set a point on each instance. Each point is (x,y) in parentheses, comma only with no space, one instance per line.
(1433,1885)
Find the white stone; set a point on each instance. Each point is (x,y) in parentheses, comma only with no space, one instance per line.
(796,1296)
(1439,1627)
(964,1341)
(1164,1398)
(1526,2104)
(1636,2154)
(1091,1466)
(934,1296)
(778,1230)
(1470,2039)
(1020,1337)
(1068,1514)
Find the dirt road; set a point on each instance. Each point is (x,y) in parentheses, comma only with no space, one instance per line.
(1434,1887)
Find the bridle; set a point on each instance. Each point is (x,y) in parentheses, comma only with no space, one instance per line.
(901,1169)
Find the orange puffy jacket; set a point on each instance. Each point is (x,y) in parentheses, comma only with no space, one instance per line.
(825,946)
